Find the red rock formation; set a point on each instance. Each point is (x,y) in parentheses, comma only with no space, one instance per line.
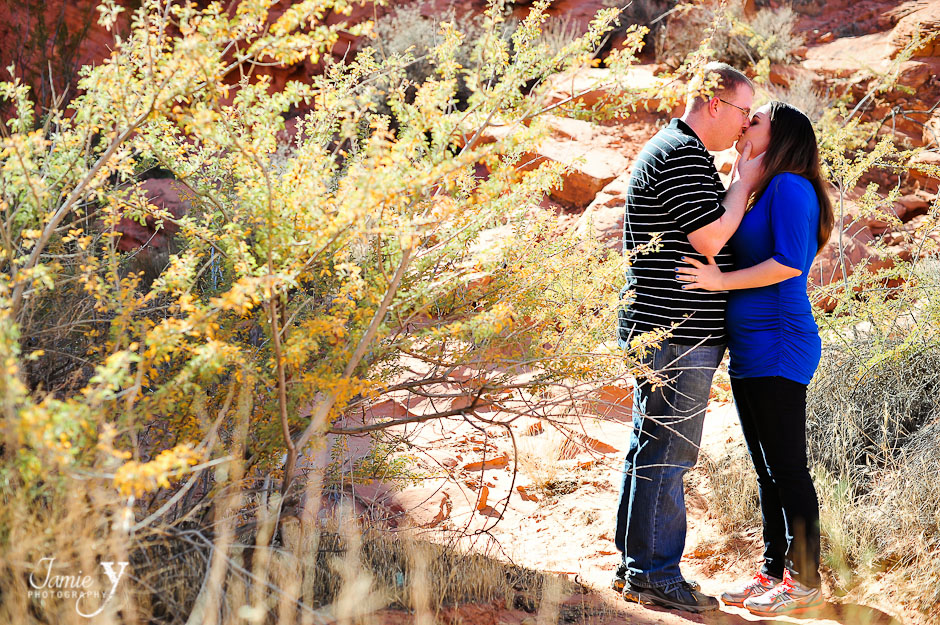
(928,180)
(603,218)
(48,41)
(839,258)
(925,20)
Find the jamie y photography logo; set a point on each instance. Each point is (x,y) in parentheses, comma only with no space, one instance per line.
(87,590)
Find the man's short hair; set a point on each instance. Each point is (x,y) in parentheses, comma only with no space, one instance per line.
(728,80)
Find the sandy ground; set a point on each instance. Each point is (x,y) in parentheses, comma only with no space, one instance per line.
(557,515)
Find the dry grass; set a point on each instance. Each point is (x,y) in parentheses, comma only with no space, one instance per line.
(559,32)
(405,31)
(773,36)
(874,438)
(866,405)
(770,34)
(804,95)
(340,572)
(540,458)
(732,497)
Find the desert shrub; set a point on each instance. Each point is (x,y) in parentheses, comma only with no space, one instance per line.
(873,438)
(872,421)
(867,403)
(307,272)
(684,33)
(540,458)
(386,569)
(768,37)
(805,95)
(558,33)
(406,33)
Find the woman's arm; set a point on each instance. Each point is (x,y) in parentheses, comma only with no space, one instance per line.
(708,240)
(710,278)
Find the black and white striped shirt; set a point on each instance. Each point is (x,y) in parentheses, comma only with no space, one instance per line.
(674,189)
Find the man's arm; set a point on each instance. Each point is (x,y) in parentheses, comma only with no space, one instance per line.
(708,240)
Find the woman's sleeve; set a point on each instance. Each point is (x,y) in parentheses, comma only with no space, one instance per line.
(794,219)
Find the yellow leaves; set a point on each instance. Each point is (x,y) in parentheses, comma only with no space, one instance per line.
(408,240)
(444,53)
(319,233)
(109,11)
(762,71)
(179,275)
(135,478)
(246,293)
(111,375)
(254,9)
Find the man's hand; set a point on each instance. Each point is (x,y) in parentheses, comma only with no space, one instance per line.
(701,276)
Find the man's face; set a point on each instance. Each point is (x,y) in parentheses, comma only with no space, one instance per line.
(734,114)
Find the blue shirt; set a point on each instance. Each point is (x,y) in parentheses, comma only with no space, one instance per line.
(771,329)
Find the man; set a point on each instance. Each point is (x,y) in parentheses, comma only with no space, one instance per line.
(675,191)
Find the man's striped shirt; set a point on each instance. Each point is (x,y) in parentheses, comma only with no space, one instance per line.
(674,189)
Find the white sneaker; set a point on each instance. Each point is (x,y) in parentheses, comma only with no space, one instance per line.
(758,585)
(787,597)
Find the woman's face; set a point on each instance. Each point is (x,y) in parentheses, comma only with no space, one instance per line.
(758,133)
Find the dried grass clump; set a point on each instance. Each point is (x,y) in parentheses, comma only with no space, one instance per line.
(866,404)
(874,438)
(540,458)
(166,572)
(803,94)
(558,33)
(451,576)
(771,34)
(338,573)
(733,500)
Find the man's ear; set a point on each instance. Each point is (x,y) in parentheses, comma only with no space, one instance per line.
(713,104)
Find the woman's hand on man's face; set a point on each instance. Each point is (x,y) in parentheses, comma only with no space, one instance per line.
(747,169)
(701,276)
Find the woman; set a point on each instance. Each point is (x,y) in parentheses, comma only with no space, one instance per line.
(775,349)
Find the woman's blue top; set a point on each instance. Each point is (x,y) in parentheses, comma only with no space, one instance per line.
(771,330)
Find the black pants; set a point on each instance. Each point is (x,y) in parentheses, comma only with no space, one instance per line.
(773,417)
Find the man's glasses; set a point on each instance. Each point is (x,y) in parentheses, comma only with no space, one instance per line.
(747,112)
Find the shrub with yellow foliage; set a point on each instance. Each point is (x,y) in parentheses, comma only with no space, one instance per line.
(304,272)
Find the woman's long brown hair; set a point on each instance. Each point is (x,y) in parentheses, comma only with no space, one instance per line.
(793,149)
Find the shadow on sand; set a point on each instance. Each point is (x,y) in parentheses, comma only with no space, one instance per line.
(843,614)
(829,614)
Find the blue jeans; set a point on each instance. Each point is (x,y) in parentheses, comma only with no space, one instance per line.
(664,444)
